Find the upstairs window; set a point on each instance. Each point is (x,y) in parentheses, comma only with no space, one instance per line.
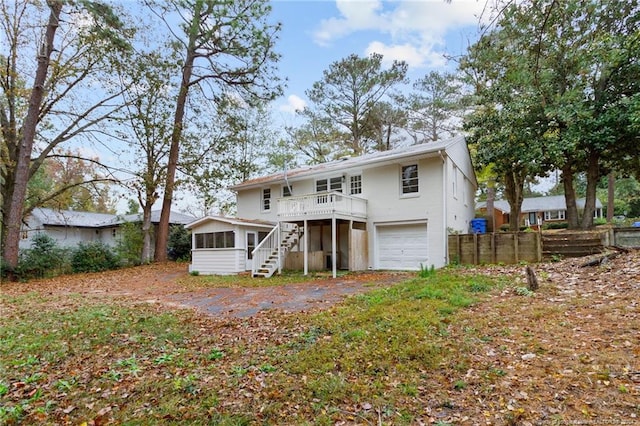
(286,191)
(355,184)
(332,184)
(266,199)
(409,178)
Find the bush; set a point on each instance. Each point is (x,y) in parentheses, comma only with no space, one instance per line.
(179,245)
(555,225)
(93,257)
(44,258)
(130,244)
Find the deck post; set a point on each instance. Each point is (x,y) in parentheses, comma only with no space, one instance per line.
(305,236)
(333,246)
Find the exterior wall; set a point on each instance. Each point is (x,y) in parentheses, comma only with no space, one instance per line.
(435,203)
(222,260)
(68,237)
(217,261)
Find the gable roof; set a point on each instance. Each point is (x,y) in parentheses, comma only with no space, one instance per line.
(367,160)
(231,221)
(79,219)
(538,204)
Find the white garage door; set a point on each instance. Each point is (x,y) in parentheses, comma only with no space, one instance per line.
(402,247)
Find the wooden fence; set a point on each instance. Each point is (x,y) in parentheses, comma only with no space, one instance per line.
(508,247)
(501,247)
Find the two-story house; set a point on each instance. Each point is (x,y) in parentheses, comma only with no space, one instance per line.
(386,210)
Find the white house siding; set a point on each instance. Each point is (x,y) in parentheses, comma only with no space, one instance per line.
(217,261)
(387,206)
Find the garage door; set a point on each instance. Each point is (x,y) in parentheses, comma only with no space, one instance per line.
(402,246)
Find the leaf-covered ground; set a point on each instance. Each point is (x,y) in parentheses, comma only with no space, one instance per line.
(462,346)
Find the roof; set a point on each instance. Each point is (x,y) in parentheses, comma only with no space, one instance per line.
(539,204)
(413,151)
(79,219)
(231,221)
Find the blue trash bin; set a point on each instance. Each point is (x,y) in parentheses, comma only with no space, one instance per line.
(479,225)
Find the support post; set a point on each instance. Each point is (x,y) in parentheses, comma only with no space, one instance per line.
(333,246)
(305,236)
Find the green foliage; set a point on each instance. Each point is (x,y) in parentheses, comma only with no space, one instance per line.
(129,245)
(426,272)
(93,257)
(44,258)
(555,225)
(179,246)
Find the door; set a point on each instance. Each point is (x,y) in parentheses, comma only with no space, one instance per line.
(402,247)
(252,238)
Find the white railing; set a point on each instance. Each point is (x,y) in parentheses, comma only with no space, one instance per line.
(321,204)
(272,246)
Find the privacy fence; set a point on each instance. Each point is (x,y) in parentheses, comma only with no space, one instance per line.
(514,247)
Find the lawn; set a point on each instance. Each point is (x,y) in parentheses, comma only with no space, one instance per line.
(458,346)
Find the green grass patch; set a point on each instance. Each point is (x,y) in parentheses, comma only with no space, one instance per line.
(151,365)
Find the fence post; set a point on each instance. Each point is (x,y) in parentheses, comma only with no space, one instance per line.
(516,247)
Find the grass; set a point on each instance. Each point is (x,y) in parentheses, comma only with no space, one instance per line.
(396,355)
(78,356)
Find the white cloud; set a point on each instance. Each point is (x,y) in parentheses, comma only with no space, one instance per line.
(294,104)
(416,29)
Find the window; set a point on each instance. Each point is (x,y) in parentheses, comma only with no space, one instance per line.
(114,232)
(225,239)
(286,191)
(266,199)
(554,215)
(335,184)
(332,184)
(355,185)
(409,179)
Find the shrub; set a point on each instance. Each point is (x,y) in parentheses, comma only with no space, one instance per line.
(179,245)
(44,258)
(555,225)
(93,257)
(129,246)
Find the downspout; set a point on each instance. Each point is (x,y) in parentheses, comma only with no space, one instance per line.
(444,209)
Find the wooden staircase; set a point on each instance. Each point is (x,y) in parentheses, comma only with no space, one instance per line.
(269,255)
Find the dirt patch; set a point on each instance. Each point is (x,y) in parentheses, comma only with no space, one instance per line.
(159,283)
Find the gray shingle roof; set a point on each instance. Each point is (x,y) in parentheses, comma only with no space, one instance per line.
(539,204)
(98,220)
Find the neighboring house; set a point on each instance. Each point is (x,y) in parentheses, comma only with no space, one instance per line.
(69,228)
(537,210)
(385,210)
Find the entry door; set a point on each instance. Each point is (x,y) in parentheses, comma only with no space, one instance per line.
(252,238)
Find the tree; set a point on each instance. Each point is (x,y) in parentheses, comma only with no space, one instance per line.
(570,68)
(386,121)
(67,181)
(435,107)
(53,110)
(229,48)
(349,92)
(148,132)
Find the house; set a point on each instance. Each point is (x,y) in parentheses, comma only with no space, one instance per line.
(536,210)
(385,210)
(69,228)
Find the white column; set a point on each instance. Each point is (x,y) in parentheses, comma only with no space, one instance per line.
(333,245)
(305,236)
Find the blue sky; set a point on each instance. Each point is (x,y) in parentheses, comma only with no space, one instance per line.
(317,33)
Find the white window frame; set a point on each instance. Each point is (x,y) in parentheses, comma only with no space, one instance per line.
(554,215)
(355,184)
(265,202)
(287,191)
(415,193)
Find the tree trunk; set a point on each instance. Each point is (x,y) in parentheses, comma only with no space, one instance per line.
(513,184)
(146,233)
(16,203)
(174,151)
(610,196)
(593,175)
(491,197)
(570,197)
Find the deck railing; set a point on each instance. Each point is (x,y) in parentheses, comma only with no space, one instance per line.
(321,204)
(272,245)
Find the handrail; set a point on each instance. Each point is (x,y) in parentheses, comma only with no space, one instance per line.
(321,203)
(264,249)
